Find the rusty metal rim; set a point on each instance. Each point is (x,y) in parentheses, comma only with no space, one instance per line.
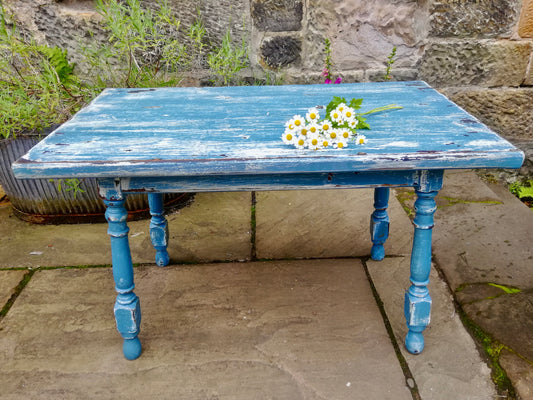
(174,203)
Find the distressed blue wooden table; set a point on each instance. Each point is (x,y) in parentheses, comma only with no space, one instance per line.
(229,139)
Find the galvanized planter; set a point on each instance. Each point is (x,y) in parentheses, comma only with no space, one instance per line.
(40,201)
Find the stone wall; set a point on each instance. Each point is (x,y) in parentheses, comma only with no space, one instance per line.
(477,52)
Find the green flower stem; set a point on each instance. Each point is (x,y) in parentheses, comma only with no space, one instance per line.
(380,109)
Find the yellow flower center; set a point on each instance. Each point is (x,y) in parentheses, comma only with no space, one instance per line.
(304,131)
(325,143)
(297,122)
(312,116)
(313,129)
(289,136)
(301,142)
(314,142)
(325,127)
(340,145)
(345,135)
(348,114)
(333,135)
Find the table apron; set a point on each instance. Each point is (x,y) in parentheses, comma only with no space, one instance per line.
(426,180)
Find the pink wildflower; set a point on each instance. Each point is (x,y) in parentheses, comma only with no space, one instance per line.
(338,80)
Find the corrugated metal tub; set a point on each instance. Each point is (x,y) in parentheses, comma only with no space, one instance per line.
(40,201)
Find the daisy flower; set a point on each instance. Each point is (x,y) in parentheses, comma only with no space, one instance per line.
(313,142)
(300,142)
(289,136)
(298,121)
(353,123)
(360,139)
(345,133)
(332,134)
(313,128)
(341,143)
(324,143)
(325,126)
(302,130)
(336,115)
(341,107)
(290,125)
(312,115)
(348,114)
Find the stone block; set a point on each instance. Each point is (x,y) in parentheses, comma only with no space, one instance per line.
(363,33)
(276,15)
(467,18)
(281,51)
(507,111)
(525,26)
(484,63)
(529,75)
(397,74)
(67,24)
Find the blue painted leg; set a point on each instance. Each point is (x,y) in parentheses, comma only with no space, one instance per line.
(417,307)
(379,223)
(127,307)
(158,229)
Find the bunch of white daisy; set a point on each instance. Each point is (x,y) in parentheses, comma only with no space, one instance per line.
(336,130)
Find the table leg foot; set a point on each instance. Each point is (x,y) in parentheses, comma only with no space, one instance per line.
(127,306)
(158,229)
(132,348)
(379,223)
(417,308)
(414,342)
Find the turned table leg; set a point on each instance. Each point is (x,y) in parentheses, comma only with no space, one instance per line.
(417,306)
(127,307)
(379,223)
(158,229)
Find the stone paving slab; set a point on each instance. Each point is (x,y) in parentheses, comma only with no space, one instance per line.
(323,223)
(520,371)
(9,281)
(492,244)
(450,366)
(267,330)
(482,236)
(216,226)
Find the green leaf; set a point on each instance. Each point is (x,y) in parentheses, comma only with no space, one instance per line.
(524,191)
(356,103)
(362,124)
(333,104)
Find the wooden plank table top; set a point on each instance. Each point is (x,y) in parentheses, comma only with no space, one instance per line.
(237,130)
(220,139)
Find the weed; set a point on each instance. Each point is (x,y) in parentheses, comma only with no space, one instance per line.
(229,59)
(390,61)
(524,191)
(326,72)
(38,87)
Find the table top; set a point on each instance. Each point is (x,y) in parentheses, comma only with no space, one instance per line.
(237,130)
